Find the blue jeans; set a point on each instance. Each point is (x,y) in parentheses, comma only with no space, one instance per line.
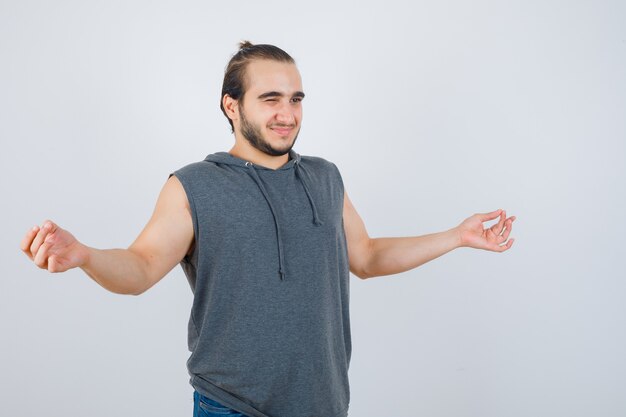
(206,407)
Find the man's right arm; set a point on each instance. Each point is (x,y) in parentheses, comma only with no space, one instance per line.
(161,245)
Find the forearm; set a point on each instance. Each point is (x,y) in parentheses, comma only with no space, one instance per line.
(117,270)
(392,255)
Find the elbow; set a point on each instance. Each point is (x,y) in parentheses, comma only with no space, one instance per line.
(126,288)
(361,262)
(361,273)
(138,290)
(127,291)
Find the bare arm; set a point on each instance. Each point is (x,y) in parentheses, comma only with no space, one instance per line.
(161,245)
(391,255)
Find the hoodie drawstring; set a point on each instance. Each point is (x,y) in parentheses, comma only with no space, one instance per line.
(281,260)
(297,168)
(316,219)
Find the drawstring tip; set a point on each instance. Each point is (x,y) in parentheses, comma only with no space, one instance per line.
(317,222)
(282,275)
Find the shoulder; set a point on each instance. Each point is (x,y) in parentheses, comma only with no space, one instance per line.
(198,172)
(193,168)
(325,171)
(319,163)
(193,177)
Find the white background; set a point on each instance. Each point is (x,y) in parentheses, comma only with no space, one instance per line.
(432,111)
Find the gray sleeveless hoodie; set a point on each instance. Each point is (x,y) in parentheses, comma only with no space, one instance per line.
(269,330)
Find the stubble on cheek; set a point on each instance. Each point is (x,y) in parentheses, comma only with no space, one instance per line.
(255,137)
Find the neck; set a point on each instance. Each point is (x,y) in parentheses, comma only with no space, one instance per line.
(249,153)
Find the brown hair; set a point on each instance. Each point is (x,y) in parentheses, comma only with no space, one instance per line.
(235,76)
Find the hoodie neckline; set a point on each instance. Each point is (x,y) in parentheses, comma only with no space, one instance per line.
(228,158)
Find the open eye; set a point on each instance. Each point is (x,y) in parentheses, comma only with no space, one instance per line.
(296,100)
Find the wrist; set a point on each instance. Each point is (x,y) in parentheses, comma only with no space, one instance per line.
(457,237)
(85,256)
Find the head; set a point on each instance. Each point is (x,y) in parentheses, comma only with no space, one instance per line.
(261,97)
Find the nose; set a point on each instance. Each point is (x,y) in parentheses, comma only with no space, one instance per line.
(285,114)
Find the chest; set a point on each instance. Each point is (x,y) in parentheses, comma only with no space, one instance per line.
(235,207)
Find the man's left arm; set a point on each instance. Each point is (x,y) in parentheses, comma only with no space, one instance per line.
(372,257)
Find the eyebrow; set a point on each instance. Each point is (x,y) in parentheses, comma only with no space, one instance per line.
(269,94)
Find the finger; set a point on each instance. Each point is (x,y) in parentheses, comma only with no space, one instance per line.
(506,233)
(47,228)
(497,228)
(41,259)
(28,240)
(507,246)
(38,240)
(508,226)
(484,217)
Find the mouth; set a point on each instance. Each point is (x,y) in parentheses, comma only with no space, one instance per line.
(282,130)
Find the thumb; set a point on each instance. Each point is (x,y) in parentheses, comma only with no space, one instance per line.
(489,216)
(53,264)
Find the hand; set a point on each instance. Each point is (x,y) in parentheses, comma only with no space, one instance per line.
(473,235)
(53,248)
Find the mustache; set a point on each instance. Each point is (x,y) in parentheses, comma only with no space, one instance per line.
(289,126)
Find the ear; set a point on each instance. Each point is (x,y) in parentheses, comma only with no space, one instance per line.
(230,107)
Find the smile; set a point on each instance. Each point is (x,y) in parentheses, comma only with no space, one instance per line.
(282,131)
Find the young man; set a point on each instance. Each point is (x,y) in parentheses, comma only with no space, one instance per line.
(267,239)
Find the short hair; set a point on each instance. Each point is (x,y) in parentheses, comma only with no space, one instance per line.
(235,76)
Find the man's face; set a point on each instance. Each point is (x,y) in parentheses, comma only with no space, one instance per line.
(271,110)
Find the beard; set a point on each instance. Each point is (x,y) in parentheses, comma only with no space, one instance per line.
(253,135)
